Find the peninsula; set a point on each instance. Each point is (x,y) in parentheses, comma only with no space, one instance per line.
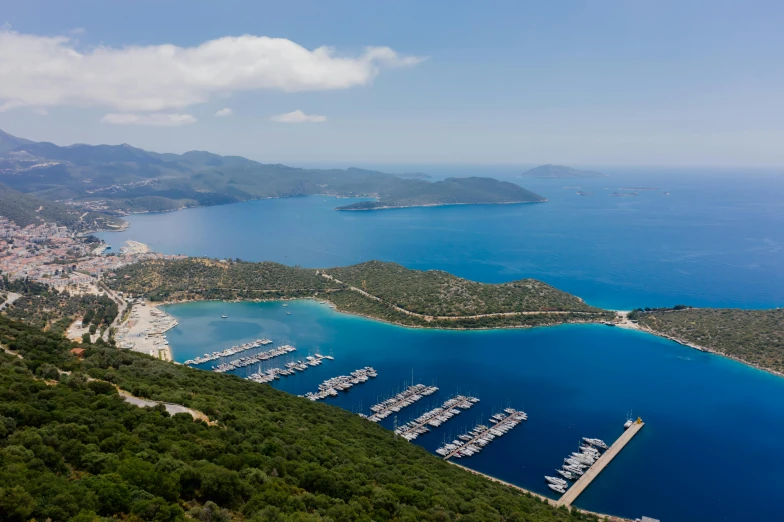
(115,180)
(384,291)
(559,171)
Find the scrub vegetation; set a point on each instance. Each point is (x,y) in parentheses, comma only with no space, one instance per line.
(385,291)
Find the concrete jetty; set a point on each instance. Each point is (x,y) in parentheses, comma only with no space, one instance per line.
(591,473)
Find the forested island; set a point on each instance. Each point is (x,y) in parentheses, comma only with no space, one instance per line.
(385,291)
(754,337)
(71,448)
(114,180)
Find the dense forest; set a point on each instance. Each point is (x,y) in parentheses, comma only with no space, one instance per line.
(72,450)
(431,293)
(753,336)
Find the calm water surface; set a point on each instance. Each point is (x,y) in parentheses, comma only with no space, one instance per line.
(711,447)
(716,240)
(710,450)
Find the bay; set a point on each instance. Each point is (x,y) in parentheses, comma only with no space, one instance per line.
(710,449)
(716,240)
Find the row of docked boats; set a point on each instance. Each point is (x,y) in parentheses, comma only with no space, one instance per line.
(290,368)
(472,442)
(253,359)
(576,463)
(228,352)
(435,417)
(407,397)
(330,387)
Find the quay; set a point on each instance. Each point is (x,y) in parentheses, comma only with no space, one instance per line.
(405,398)
(591,473)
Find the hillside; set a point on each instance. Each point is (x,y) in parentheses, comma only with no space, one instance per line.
(451,191)
(122,179)
(755,337)
(24,209)
(385,291)
(559,171)
(72,447)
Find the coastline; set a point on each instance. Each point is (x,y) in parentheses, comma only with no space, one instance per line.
(626,323)
(392,207)
(622,323)
(608,518)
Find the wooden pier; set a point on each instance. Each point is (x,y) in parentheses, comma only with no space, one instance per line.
(591,473)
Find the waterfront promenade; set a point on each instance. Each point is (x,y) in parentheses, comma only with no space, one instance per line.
(591,473)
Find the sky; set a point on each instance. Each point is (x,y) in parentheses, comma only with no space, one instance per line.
(404,82)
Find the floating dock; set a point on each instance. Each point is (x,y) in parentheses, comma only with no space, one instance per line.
(291,368)
(330,387)
(253,359)
(591,473)
(407,397)
(482,435)
(435,417)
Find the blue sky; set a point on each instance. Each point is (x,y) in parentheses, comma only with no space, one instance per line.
(627,83)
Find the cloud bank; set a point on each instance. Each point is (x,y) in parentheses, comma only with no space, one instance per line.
(298,117)
(224,112)
(49,71)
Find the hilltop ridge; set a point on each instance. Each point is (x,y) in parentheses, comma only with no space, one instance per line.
(120,179)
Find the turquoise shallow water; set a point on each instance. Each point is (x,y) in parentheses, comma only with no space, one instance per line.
(710,449)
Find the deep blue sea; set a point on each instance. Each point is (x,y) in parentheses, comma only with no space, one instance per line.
(711,447)
(717,239)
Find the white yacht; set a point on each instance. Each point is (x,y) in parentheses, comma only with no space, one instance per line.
(556,480)
(566,474)
(559,489)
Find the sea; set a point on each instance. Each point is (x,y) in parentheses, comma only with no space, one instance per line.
(711,445)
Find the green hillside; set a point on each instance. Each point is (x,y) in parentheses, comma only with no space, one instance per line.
(396,294)
(129,179)
(72,450)
(24,209)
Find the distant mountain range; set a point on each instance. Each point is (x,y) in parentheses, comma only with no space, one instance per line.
(118,179)
(559,171)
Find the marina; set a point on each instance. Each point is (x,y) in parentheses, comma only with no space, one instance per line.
(475,440)
(253,359)
(291,368)
(228,352)
(597,465)
(330,387)
(403,399)
(435,417)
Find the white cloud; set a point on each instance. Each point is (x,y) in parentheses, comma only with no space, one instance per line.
(49,71)
(158,119)
(224,112)
(298,117)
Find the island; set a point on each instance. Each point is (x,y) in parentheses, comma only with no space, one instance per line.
(451,191)
(375,289)
(559,171)
(110,181)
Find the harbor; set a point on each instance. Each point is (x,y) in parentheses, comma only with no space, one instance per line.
(403,399)
(474,441)
(435,417)
(600,463)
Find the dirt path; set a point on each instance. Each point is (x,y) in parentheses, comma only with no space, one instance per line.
(447,317)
